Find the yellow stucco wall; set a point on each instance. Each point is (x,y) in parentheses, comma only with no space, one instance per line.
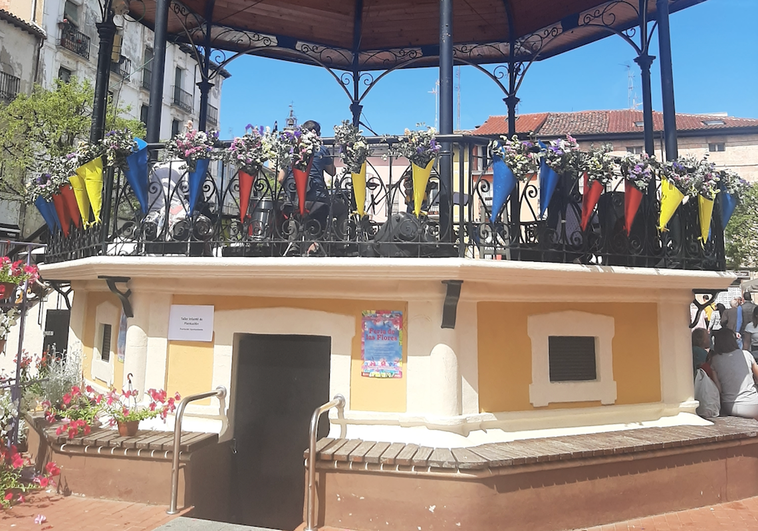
(505,355)
(190,368)
(366,394)
(95,299)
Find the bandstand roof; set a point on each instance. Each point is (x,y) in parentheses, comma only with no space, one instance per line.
(392,33)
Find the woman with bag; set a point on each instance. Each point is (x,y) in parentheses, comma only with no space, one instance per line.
(736,371)
(750,336)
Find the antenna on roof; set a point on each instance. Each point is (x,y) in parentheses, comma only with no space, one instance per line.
(631,95)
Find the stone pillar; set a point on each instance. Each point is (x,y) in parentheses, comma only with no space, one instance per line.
(77,319)
(135,360)
(675,345)
(157,344)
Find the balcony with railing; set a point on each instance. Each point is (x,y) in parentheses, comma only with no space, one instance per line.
(74,40)
(9,86)
(123,68)
(182,98)
(212,117)
(222,222)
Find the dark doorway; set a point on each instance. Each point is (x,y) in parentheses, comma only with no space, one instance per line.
(280,381)
(56,331)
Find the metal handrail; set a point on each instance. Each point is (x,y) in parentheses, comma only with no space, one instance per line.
(337,402)
(219,392)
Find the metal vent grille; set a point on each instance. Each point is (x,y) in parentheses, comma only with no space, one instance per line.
(105,351)
(572,358)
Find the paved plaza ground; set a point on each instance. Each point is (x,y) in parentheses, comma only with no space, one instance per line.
(86,514)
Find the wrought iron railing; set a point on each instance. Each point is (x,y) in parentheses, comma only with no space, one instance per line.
(123,68)
(272,225)
(182,98)
(212,116)
(9,86)
(74,40)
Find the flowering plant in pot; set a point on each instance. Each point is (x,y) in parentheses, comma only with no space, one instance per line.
(296,148)
(196,148)
(124,411)
(732,188)
(596,166)
(14,273)
(249,153)
(677,183)
(421,149)
(638,172)
(512,160)
(558,157)
(354,150)
(706,184)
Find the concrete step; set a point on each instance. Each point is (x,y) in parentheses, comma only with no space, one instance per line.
(184,523)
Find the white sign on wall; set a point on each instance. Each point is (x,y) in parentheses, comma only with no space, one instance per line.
(190,323)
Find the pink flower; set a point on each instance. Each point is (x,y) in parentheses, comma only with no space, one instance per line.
(40,519)
(52,469)
(8,496)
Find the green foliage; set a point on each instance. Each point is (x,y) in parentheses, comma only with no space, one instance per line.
(742,232)
(48,124)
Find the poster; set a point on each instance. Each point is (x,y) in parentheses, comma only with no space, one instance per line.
(121,344)
(382,344)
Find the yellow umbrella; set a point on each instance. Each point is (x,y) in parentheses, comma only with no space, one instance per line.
(705,212)
(92,174)
(359,189)
(80,192)
(420,178)
(671,198)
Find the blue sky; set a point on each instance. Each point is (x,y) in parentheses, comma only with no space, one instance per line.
(715,70)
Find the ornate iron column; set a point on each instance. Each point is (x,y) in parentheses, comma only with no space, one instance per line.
(355,106)
(667,79)
(205,85)
(446,117)
(159,71)
(106,30)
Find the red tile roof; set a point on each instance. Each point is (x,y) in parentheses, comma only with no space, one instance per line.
(603,122)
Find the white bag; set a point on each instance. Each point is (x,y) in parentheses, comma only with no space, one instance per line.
(707,394)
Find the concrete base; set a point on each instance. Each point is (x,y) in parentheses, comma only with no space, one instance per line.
(203,475)
(541,497)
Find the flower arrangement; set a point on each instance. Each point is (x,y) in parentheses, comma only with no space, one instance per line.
(354,150)
(681,174)
(521,157)
(17,272)
(81,409)
(85,152)
(731,183)
(8,319)
(639,170)
(561,155)
(193,145)
(117,145)
(706,180)
(14,482)
(251,151)
(597,164)
(43,185)
(419,147)
(296,147)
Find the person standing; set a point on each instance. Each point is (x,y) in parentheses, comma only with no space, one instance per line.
(750,335)
(732,317)
(747,312)
(714,325)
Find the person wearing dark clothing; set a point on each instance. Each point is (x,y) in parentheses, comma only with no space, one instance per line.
(747,312)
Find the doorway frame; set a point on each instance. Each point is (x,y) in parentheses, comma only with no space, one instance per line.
(230,325)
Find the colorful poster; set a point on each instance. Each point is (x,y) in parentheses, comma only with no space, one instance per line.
(382,344)
(121,345)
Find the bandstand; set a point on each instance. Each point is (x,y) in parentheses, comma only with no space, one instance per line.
(474,429)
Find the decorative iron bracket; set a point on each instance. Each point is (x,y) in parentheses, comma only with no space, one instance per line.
(450,307)
(702,305)
(122,296)
(61,286)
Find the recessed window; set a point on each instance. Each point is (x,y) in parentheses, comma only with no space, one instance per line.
(572,358)
(714,122)
(716,146)
(64,74)
(635,150)
(143,114)
(175,124)
(105,348)
(71,13)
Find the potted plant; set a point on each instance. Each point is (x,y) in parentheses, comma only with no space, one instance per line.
(596,167)
(512,161)
(354,150)
(196,148)
(88,176)
(677,182)
(40,192)
(123,150)
(296,148)
(249,153)
(706,184)
(558,157)
(14,273)
(126,414)
(732,187)
(421,149)
(638,172)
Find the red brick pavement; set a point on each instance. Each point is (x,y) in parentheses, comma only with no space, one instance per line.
(734,516)
(76,513)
